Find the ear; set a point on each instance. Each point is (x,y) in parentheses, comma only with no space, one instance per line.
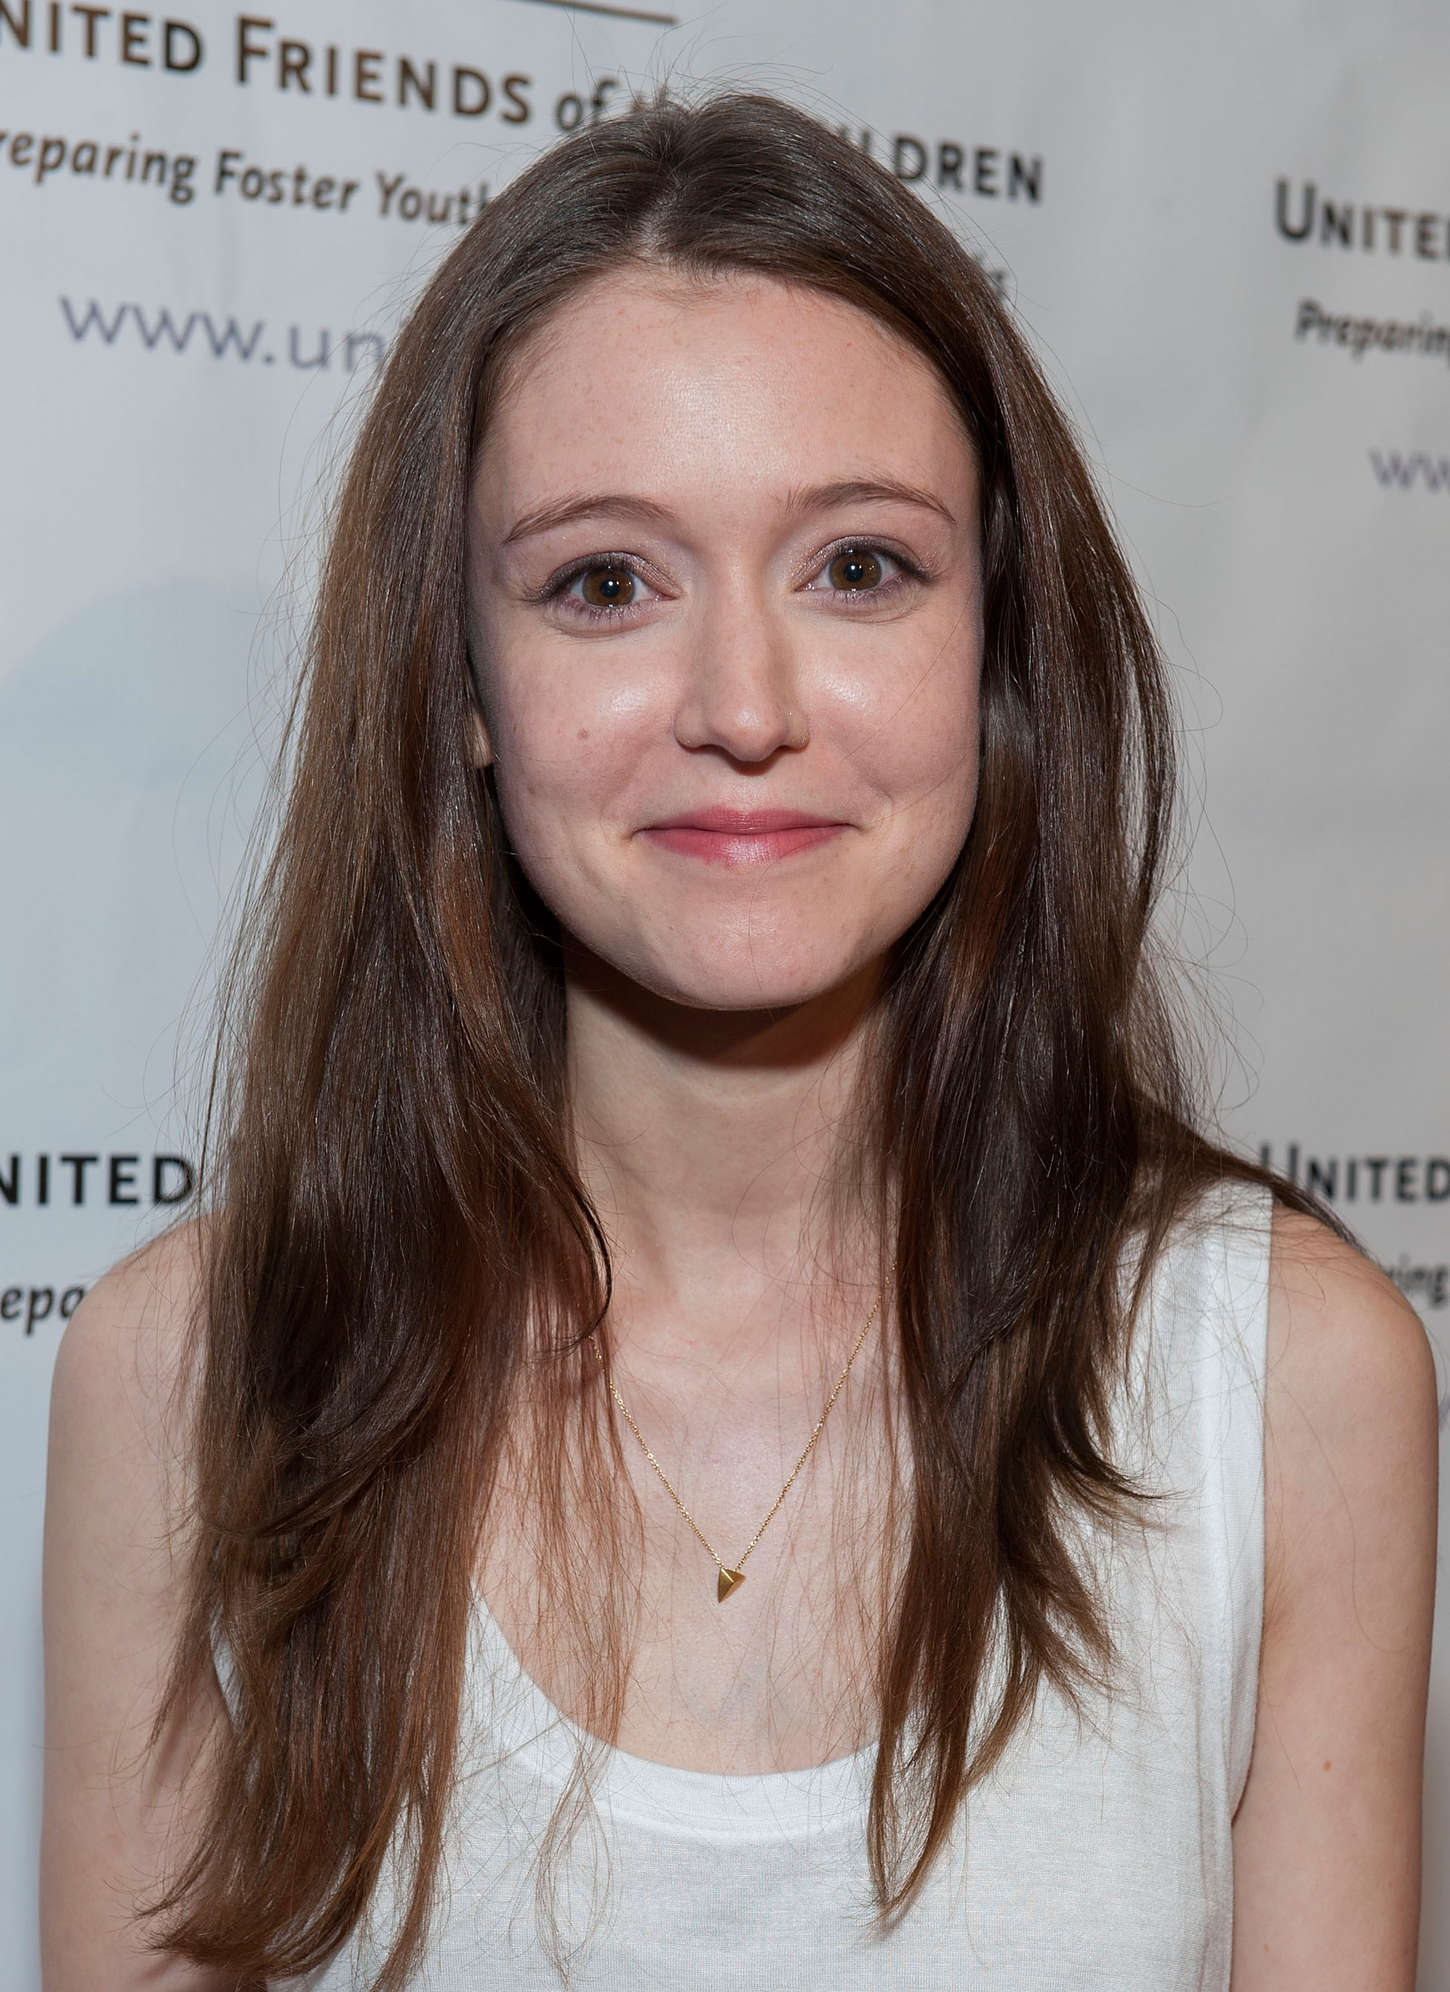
(480,746)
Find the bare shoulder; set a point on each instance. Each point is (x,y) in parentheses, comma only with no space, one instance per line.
(1351,1404)
(122,1354)
(121,1389)
(1329,1306)
(1327,1833)
(115,1555)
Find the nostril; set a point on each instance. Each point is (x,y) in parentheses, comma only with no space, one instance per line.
(747,730)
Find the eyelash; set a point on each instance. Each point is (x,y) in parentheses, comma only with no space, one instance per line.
(558,590)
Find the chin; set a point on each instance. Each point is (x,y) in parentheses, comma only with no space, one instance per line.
(740,1002)
(728,986)
(718,966)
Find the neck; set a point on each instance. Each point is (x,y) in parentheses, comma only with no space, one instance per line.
(716,1147)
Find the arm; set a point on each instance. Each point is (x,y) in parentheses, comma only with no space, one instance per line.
(110,1613)
(1327,1835)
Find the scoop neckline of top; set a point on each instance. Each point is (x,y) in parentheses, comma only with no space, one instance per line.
(741,1805)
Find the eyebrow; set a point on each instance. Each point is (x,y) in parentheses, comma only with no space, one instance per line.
(816,498)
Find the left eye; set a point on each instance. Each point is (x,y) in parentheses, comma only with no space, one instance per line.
(858,570)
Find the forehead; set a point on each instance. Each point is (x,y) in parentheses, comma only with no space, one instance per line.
(733,382)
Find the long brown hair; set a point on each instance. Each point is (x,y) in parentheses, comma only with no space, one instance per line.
(398,1231)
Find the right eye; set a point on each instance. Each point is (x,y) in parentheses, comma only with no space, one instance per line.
(597,589)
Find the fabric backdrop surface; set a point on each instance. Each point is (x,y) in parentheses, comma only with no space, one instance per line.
(1226,232)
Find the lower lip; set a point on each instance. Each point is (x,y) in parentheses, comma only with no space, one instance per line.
(743,848)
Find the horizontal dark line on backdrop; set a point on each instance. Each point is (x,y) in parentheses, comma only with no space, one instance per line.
(618,13)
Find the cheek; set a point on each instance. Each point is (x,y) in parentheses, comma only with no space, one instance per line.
(565,744)
(546,697)
(918,735)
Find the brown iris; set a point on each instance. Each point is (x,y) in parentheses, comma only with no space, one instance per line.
(608,587)
(856,567)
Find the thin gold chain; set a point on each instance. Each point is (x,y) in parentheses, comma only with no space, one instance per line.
(795,1470)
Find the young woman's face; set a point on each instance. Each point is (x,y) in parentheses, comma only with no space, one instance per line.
(726,619)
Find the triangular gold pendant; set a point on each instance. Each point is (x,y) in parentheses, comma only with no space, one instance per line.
(728,1580)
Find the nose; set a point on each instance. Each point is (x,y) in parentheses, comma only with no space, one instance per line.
(741,692)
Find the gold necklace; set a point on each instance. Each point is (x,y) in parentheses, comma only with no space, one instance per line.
(730,1578)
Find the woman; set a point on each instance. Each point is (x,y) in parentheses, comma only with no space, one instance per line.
(716,1428)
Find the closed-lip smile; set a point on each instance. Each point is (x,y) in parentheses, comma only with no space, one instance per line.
(741,837)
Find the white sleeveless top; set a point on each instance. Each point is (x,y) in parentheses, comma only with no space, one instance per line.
(1097,1856)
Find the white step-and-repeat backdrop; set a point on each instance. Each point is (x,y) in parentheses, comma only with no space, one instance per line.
(1227,231)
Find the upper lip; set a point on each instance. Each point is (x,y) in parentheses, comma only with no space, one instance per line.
(741,822)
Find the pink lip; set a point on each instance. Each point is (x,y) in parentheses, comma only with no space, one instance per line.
(741,837)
